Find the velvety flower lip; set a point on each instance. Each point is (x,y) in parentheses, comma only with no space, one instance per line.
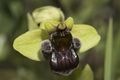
(29,43)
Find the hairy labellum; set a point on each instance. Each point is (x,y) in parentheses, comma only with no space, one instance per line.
(62,50)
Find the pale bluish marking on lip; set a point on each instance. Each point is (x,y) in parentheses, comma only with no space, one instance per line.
(54,59)
(74,54)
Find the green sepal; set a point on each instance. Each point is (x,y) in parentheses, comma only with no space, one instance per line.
(87,35)
(29,43)
(47,13)
(31,23)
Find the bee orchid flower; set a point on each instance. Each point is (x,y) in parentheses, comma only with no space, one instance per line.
(59,40)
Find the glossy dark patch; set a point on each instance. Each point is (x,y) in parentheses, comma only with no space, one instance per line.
(62,51)
(64,62)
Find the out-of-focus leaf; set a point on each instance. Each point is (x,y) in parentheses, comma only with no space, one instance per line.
(16,8)
(29,44)
(108,53)
(86,74)
(6,23)
(87,35)
(3,47)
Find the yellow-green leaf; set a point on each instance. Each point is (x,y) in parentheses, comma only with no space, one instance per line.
(29,43)
(87,35)
(86,74)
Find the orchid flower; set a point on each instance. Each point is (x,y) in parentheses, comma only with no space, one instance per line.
(45,21)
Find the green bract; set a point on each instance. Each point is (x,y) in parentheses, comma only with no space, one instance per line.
(29,43)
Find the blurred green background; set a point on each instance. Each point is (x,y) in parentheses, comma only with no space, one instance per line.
(13,22)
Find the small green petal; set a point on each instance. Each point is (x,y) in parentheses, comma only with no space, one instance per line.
(87,35)
(28,44)
(51,26)
(45,14)
(69,22)
(31,23)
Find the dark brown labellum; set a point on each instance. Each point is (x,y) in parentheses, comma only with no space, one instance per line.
(62,51)
(64,62)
